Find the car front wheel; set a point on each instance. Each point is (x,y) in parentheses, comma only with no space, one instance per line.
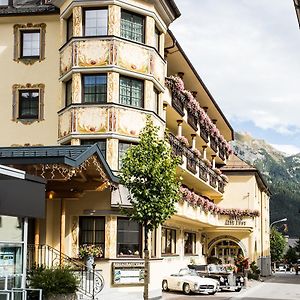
(238,289)
(186,288)
(165,285)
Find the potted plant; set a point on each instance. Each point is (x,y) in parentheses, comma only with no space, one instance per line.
(88,253)
(57,283)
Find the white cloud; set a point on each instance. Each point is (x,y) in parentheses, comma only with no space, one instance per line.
(288,149)
(247,53)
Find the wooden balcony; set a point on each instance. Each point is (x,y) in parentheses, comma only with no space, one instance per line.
(179,101)
(192,120)
(197,168)
(204,133)
(213,143)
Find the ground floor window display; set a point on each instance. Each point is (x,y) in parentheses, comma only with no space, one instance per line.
(11,252)
(129,237)
(189,243)
(92,231)
(168,241)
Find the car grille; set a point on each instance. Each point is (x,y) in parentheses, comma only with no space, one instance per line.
(206,286)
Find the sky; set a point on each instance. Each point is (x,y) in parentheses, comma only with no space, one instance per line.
(248,55)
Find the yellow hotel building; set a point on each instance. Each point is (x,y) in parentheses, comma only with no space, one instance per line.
(78,79)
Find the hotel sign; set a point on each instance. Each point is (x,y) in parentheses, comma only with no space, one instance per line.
(235,222)
(128,273)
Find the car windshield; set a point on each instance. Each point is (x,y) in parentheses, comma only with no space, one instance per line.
(187,272)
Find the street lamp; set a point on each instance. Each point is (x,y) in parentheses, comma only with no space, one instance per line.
(278,221)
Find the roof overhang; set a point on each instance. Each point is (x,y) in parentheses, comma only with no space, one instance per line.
(21,194)
(297,7)
(179,62)
(69,170)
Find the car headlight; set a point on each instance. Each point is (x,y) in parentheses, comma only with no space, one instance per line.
(241,279)
(196,286)
(222,279)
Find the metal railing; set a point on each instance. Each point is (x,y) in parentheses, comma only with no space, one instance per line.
(194,164)
(91,282)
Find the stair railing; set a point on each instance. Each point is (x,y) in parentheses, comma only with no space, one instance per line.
(91,281)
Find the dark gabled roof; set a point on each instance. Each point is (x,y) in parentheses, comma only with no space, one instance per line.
(72,156)
(26,7)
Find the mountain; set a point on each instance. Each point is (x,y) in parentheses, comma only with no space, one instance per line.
(281,171)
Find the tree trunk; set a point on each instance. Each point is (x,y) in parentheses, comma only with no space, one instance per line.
(147,270)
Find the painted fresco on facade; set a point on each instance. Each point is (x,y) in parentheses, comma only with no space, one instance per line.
(92,53)
(66,58)
(65,123)
(132,57)
(91,120)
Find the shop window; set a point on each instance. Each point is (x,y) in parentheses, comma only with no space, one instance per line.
(92,231)
(29,43)
(28,103)
(189,243)
(128,238)
(131,92)
(132,26)
(101,144)
(69,92)
(95,22)
(69,27)
(168,241)
(94,88)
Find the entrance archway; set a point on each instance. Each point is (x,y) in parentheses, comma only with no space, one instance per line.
(226,248)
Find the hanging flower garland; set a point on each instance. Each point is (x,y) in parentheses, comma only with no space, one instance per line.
(176,84)
(208,206)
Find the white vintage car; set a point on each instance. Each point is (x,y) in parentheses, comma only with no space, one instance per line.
(188,281)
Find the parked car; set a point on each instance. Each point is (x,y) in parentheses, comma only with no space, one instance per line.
(227,279)
(187,281)
(281,268)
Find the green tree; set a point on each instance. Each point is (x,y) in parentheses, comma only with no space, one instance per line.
(277,244)
(297,246)
(291,255)
(149,173)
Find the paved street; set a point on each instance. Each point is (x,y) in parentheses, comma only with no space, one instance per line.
(281,286)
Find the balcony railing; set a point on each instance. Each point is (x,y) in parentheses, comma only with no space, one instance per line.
(192,120)
(204,134)
(213,143)
(191,162)
(180,102)
(196,165)
(222,152)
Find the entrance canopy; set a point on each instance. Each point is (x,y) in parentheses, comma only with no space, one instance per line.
(69,170)
(21,194)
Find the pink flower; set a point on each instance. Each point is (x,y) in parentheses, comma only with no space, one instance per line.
(183,140)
